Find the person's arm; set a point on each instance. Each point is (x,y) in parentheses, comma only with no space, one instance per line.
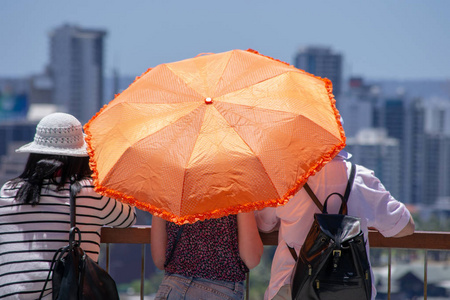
(112,212)
(250,244)
(158,243)
(383,212)
(267,220)
(122,216)
(408,229)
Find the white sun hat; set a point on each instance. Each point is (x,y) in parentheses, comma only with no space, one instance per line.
(57,134)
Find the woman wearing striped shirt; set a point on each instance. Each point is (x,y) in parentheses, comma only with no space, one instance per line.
(35,208)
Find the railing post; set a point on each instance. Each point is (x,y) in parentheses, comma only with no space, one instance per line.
(389,273)
(247,287)
(107,257)
(142,271)
(425,275)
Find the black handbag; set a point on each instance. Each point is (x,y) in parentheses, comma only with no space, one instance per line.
(333,262)
(74,274)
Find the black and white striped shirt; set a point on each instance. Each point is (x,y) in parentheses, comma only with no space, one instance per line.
(30,235)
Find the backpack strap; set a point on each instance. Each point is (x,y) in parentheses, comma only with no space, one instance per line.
(343,209)
(351,178)
(346,194)
(318,204)
(313,196)
(293,253)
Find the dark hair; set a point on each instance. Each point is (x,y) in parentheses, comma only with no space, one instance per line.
(40,167)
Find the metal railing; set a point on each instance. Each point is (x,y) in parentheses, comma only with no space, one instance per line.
(423,240)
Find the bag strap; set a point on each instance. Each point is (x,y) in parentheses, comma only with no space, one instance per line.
(74,188)
(318,204)
(293,253)
(313,196)
(174,245)
(344,199)
(351,178)
(343,209)
(73,191)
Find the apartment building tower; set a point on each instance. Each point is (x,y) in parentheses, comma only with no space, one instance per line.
(322,62)
(374,149)
(76,68)
(414,153)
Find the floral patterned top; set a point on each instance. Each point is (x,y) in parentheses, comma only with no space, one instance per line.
(206,249)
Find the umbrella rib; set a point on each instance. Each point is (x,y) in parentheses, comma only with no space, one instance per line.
(187,162)
(184,82)
(294,114)
(223,71)
(243,140)
(265,78)
(261,81)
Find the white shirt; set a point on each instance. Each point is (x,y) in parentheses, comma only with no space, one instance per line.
(368,200)
(30,235)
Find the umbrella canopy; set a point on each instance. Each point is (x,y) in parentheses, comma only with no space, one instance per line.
(214,135)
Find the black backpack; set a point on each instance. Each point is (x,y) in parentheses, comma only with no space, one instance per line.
(333,262)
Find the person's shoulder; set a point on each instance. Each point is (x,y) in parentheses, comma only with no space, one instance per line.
(10,188)
(363,171)
(8,193)
(367,179)
(6,185)
(87,183)
(88,188)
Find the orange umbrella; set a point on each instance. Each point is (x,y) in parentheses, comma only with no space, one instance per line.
(214,135)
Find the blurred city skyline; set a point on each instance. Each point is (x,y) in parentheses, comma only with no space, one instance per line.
(399,40)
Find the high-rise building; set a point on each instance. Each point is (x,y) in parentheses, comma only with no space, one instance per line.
(373,149)
(357,106)
(76,67)
(392,117)
(322,62)
(437,113)
(414,154)
(437,150)
(436,168)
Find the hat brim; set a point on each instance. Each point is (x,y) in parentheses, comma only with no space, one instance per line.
(40,149)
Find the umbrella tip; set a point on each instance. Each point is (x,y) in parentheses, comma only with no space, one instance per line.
(208,100)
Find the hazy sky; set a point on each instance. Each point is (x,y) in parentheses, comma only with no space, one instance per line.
(380,39)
